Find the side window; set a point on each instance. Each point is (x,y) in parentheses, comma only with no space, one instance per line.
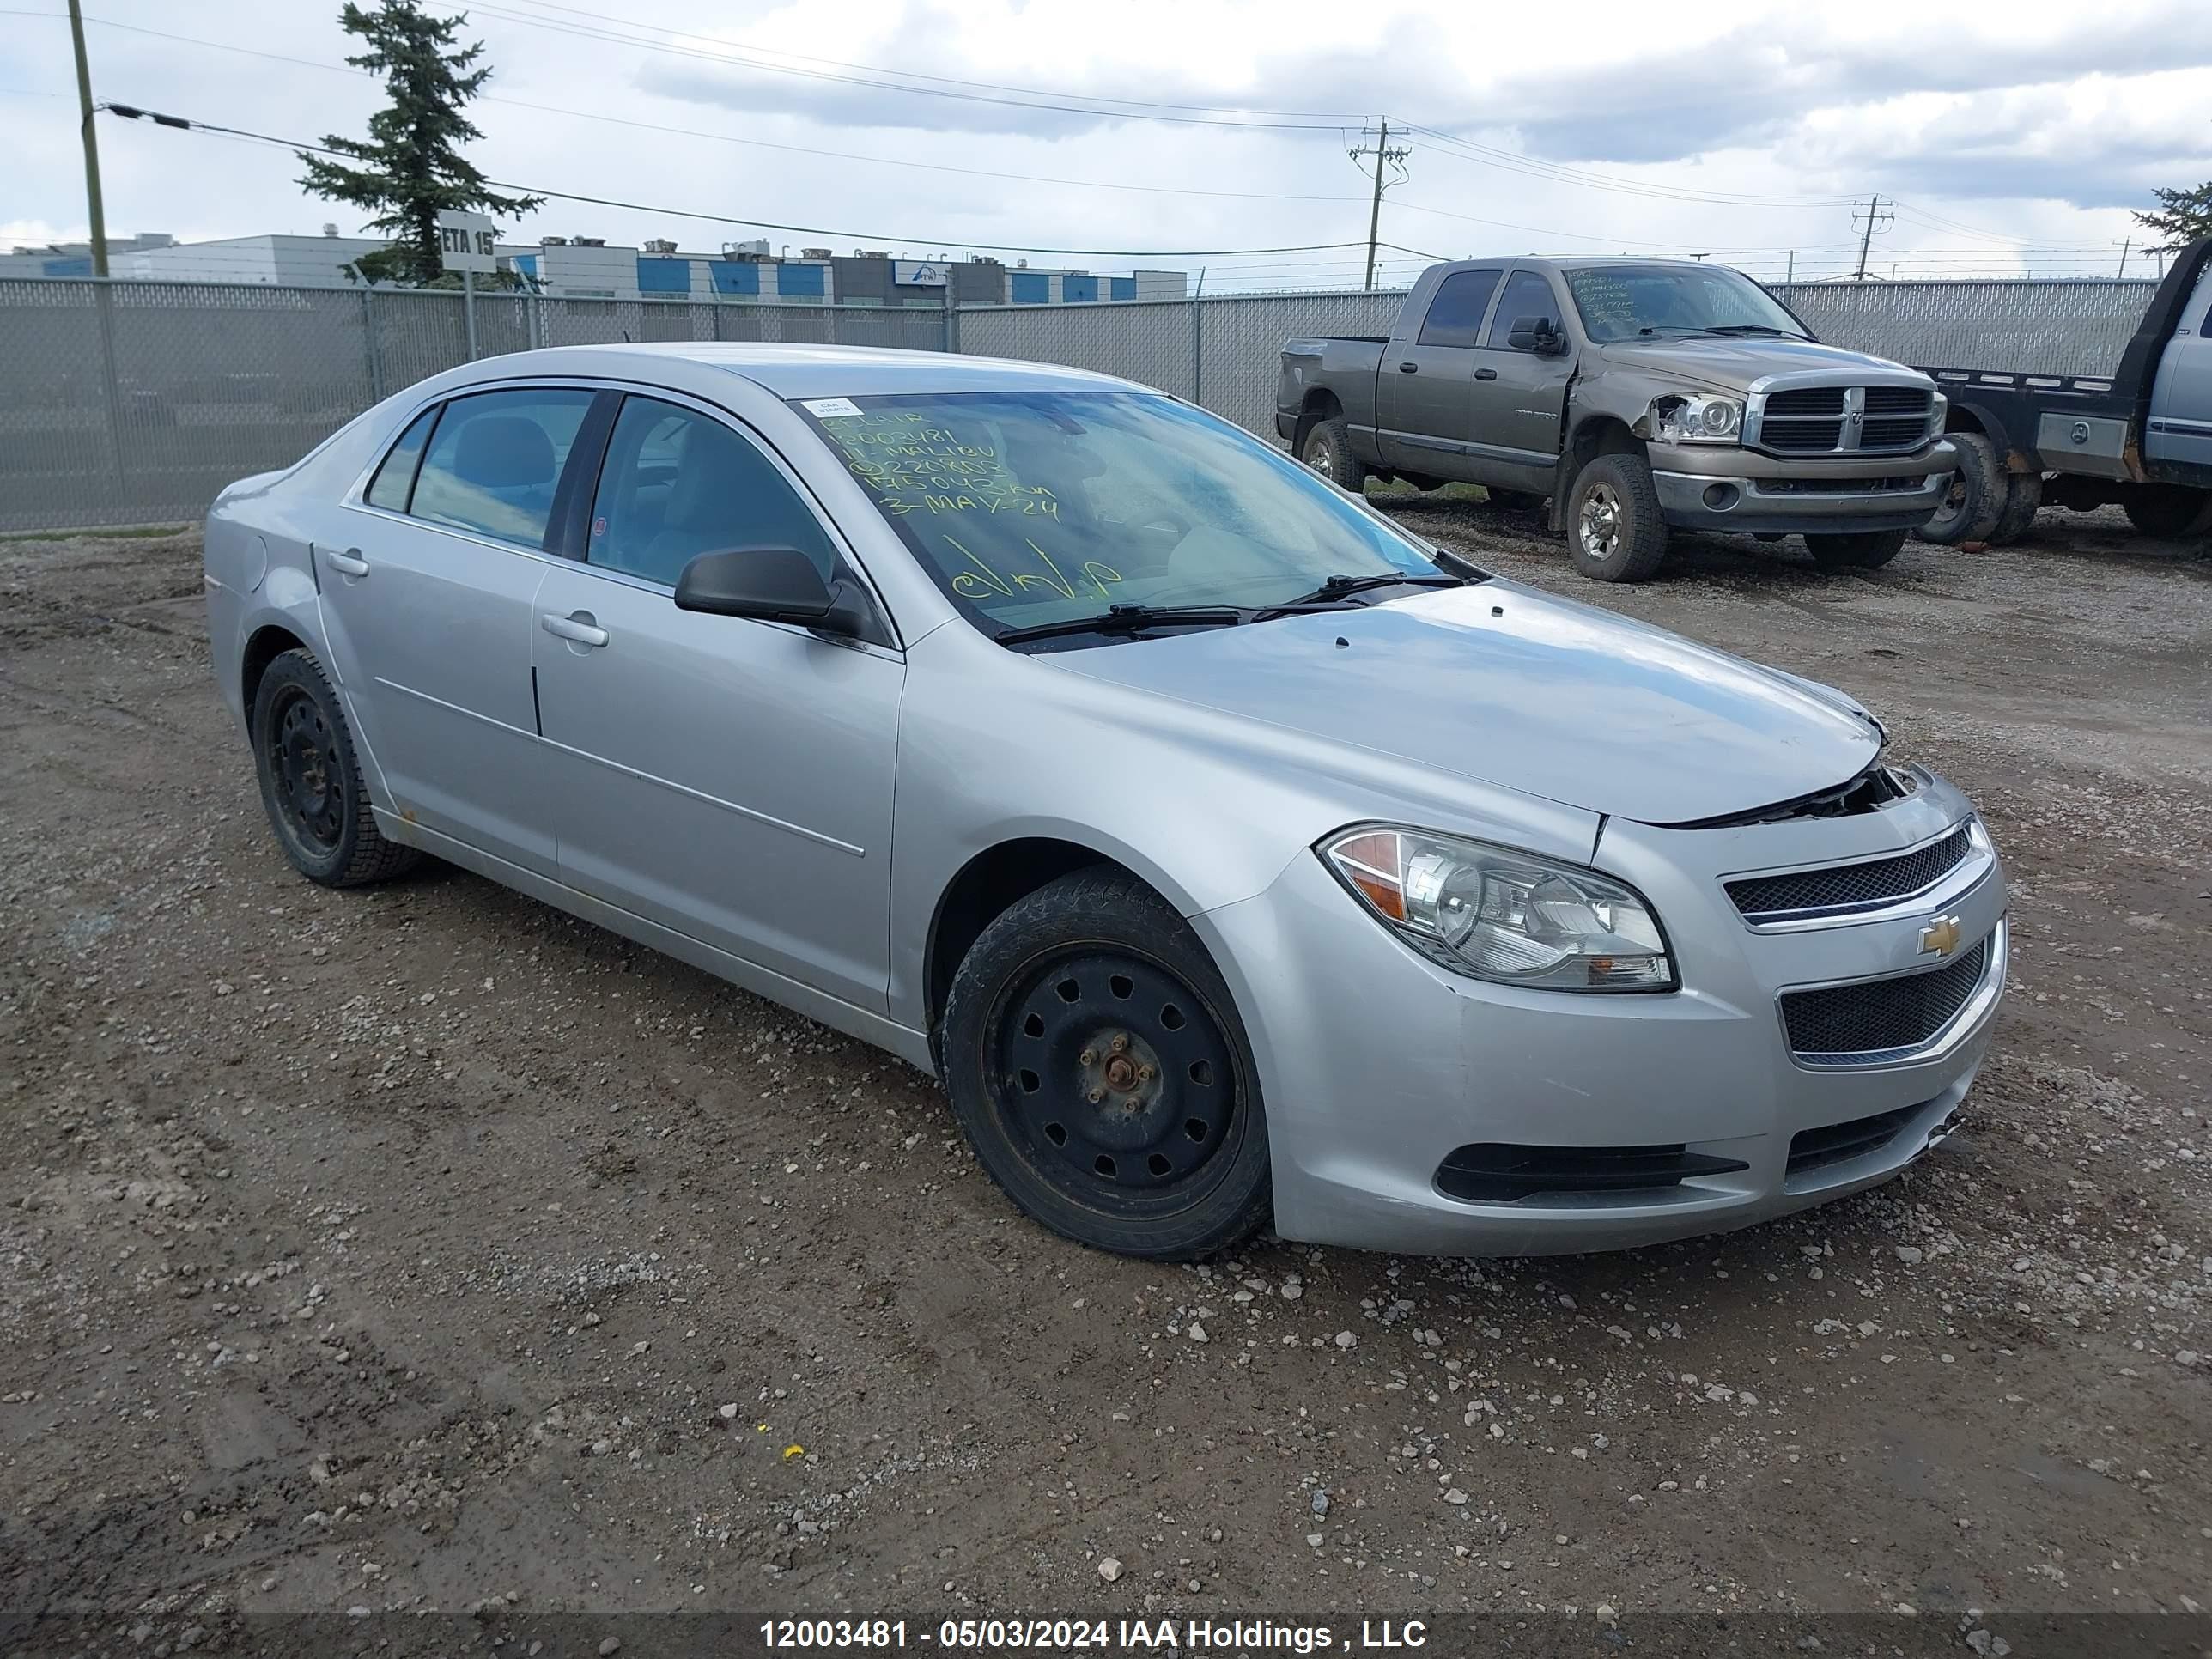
(395,479)
(494,459)
(1456,314)
(1527,294)
(678,483)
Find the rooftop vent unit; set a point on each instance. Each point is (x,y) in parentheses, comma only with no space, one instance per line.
(588,241)
(554,241)
(872,253)
(660,246)
(814,253)
(756,249)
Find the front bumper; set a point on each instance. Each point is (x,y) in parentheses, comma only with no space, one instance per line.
(1377,1065)
(1745,491)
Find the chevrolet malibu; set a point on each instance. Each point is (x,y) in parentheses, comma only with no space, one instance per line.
(1229,853)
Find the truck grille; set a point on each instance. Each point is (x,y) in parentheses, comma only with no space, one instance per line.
(1846,887)
(1846,1023)
(1821,420)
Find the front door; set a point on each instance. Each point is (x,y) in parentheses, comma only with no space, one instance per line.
(1422,390)
(2180,426)
(1520,398)
(428,608)
(725,778)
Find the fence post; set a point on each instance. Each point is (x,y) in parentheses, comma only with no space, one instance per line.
(105,306)
(952,311)
(1197,353)
(368,344)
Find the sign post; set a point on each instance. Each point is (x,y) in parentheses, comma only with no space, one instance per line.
(468,243)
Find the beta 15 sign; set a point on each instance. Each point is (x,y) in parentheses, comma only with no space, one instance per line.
(468,241)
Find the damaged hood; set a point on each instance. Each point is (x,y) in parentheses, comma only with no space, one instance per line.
(1511,687)
(1732,365)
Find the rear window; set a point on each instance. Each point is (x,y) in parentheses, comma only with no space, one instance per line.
(495,459)
(395,479)
(1455,313)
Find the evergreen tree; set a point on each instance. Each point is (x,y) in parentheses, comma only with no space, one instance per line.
(2182,215)
(411,168)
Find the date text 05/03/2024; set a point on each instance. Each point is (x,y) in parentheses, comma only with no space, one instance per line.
(1080,1634)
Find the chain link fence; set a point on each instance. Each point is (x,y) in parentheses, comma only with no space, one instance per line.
(135,402)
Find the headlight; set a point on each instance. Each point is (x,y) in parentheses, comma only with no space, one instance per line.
(1502,915)
(1698,418)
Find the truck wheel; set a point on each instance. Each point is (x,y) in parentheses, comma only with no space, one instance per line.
(1867,549)
(1614,531)
(1969,512)
(2164,510)
(2023,496)
(1328,451)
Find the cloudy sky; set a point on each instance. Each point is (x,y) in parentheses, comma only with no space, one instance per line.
(2014,138)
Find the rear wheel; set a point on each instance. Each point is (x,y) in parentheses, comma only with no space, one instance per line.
(1328,451)
(1867,549)
(2023,496)
(1097,1065)
(1614,530)
(310,781)
(1970,510)
(2166,510)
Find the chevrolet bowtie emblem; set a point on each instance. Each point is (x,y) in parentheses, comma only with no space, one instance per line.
(1939,936)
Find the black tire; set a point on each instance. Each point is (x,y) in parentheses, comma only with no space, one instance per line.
(1614,530)
(310,781)
(1157,1148)
(1969,512)
(1327,448)
(2023,496)
(1865,550)
(2166,511)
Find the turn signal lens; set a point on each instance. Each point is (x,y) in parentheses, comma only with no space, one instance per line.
(1499,915)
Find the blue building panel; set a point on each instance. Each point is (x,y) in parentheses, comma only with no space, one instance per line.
(1122,288)
(1076,290)
(67,267)
(658,275)
(527,264)
(734,275)
(1031,287)
(803,281)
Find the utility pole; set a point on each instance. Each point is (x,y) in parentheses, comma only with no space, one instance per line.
(1382,153)
(91,141)
(1873,212)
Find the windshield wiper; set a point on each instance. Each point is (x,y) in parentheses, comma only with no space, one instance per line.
(1128,619)
(1753,328)
(1335,588)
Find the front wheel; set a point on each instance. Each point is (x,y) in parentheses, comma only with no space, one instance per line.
(1614,530)
(1328,451)
(1865,550)
(1099,1066)
(2167,510)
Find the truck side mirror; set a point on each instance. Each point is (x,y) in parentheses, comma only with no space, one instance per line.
(1536,334)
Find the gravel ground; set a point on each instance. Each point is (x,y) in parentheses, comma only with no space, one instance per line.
(399,1250)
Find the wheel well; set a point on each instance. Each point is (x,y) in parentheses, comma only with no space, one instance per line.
(991,881)
(265,648)
(1600,434)
(1320,404)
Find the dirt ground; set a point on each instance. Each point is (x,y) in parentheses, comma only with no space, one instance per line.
(393,1250)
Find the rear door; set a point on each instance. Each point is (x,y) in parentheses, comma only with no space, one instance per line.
(1422,391)
(428,608)
(2179,431)
(1520,398)
(725,778)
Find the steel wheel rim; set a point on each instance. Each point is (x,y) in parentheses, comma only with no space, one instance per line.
(1320,457)
(1598,524)
(1116,1079)
(302,763)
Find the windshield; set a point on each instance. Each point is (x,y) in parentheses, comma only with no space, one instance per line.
(1035,507)
(1629,302)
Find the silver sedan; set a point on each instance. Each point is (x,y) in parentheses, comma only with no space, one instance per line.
(1227,851)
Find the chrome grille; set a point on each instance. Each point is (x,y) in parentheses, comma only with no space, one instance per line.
(1846,887)
(1881,1016)
(1821,420)
(1806,400)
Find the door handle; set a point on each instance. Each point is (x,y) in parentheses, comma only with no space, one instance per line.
(347,563)
(1486,373)
(579,627)
(1409,368)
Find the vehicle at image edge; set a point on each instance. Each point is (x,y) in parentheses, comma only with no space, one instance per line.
(2140,438)
(1224,849)
(1634,395)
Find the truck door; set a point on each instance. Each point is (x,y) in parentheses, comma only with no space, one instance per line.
(1519,396)
(2179,430)
(1422,396)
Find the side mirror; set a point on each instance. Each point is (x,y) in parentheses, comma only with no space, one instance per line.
(769,584)
(1536,334)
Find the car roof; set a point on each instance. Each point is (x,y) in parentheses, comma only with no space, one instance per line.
(805,371)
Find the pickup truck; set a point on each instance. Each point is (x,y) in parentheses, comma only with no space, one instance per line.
(1633,395)
(2140,438)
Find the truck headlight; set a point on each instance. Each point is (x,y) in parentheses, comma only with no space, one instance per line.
(1506,916)
(1698,418)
